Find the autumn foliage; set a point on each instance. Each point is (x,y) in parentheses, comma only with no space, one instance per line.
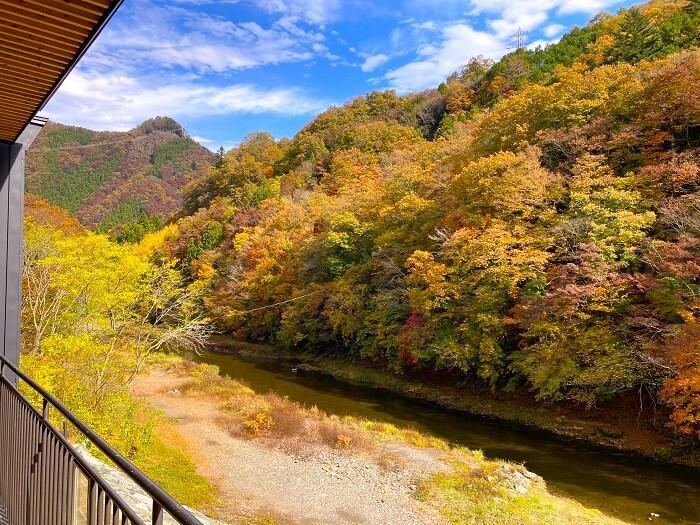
(533,224)
(525,226)
(111,179)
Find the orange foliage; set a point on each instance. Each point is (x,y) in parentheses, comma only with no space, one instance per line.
(682,391)
(46,214)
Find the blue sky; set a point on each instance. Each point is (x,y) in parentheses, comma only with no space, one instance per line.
(225,68)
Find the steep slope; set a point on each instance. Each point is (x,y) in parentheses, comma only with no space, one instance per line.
(107,179)
(544,239)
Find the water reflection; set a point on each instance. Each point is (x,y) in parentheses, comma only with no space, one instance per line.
(615,484)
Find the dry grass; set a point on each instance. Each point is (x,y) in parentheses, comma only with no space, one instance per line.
(470,489)
(274,419)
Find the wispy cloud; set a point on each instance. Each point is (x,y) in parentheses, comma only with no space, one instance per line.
(585,6)
(553,30)
(202,140)
(117,102)
(373,62)
(167,36)
(162,58)
(268,62)
(313,11)
(459,43)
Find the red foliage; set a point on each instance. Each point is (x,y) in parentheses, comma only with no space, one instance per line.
(671,101)
(574,286)
(678,259)
(406,338)
(679,175)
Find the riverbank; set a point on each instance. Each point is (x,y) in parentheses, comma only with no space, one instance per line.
(299,465)
(614,429)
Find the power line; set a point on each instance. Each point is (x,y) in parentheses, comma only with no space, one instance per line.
(278,304)
(98,144)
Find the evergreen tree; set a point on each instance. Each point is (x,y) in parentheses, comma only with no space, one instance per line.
(219,159)
(636,39)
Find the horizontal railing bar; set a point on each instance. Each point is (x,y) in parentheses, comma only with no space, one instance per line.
(81,462)
(171,506)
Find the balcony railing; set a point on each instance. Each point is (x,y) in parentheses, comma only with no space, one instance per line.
(44,481)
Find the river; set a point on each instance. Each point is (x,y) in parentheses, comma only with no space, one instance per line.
(624,487)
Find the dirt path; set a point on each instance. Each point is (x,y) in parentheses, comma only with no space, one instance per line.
(328,488)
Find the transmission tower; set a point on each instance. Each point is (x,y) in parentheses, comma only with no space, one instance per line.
(520,39)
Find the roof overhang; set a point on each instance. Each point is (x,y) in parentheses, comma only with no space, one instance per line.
(40,43)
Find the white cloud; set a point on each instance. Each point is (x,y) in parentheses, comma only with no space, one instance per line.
(459,43)
(426,50)
(205,2)
(164,59)
(429,25)
(512,22)
(435,59)
(373,62)
(585,6)
(526,15)
(118,102)
(317,12)
(323,51)
(553,30)
(510,16)
(539,43)
(158,36)
(528,6)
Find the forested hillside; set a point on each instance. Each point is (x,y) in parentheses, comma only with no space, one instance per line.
(102,324)
(531,225)
(112,179)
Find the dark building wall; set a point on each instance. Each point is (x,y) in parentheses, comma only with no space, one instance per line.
(11,221)
(11,196)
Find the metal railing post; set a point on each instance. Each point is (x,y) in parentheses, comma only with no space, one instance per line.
(39,467)
(157,514)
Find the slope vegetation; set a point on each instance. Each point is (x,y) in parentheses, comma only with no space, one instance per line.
(108,179)
(531,225)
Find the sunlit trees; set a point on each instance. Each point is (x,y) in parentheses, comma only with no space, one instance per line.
(130,300)
(545,237)
(242,174)
(575,341)
(636,38)
(682,389)
(613,214)
(93,311)
(75,369)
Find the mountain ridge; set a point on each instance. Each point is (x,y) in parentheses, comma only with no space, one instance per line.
(108,179)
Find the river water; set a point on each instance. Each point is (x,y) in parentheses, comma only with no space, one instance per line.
(618,485)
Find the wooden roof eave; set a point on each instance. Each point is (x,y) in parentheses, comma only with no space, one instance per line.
(40,43)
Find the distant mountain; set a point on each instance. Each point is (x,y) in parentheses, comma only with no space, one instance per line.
(109,179)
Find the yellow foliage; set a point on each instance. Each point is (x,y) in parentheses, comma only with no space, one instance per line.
(240,240)
(507,184)
(344,442)
(431,289)
(258,424)
(576,98)
(154,242)
(91,380)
